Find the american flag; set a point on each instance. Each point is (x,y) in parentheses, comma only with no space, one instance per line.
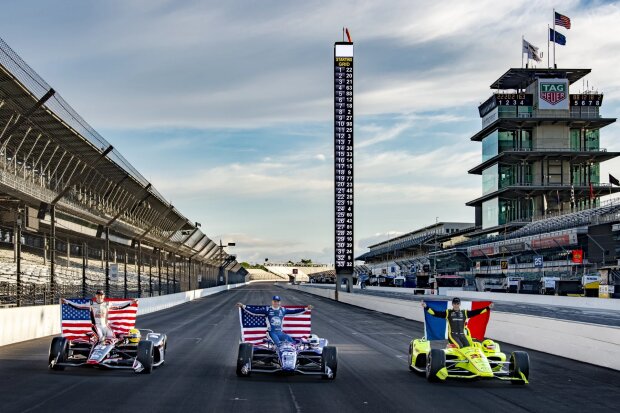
(562,20)
(254,328)
(76,323)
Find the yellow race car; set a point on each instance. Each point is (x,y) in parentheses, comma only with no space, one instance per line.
(480,360)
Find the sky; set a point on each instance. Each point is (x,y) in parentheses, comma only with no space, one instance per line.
(227,107)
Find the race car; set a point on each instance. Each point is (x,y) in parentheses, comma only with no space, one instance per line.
(308,354)
(139,350)
(480,360)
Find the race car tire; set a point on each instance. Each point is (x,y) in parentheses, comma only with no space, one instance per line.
(436,361)
(329,358)
(246,353)
(410,355)
(145,355)
(519,363)
(59,351)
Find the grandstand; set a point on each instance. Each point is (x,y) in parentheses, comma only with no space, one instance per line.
(76,216)
(257,274)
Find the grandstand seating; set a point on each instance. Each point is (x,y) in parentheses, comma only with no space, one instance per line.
(285,271)
(257,274)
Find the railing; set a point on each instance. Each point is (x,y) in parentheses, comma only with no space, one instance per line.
(554,149)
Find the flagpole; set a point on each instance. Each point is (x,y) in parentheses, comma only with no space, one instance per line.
(554,39)
(548,64)
(522,39)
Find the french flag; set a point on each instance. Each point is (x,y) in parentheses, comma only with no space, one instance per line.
(436,328)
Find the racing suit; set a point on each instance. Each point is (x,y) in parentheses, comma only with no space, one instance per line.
(456,323)
(275,318)
(99,316)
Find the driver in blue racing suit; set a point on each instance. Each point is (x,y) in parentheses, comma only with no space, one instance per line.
(274,315)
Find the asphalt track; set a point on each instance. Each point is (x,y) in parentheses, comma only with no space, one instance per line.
(580,314)
(199,374)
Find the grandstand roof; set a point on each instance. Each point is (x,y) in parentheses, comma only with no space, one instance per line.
(78,149)
(519,78)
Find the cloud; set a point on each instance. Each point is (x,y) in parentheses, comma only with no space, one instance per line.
(237,98)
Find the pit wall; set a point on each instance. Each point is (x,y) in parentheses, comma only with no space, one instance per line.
(589,343)
(27,323)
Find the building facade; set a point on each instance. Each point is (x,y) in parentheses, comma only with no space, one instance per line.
(541,149)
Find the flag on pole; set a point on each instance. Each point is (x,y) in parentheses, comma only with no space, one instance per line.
(76,323)
(348,35)
(572,195)
(437,328)
(613,180)
(531,51)
(254,327)
(545,203)
(591,191)
(561,20)
(557,37)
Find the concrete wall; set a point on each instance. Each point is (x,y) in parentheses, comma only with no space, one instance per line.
(27,323)
(552,300)
(590,343)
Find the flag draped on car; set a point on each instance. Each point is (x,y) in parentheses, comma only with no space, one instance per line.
(76,323)
(254,327)
(437,328)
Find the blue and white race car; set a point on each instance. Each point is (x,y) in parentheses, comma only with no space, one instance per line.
(300,353)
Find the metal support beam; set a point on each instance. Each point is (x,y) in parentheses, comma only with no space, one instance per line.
(75,178)
(84,266)
(28,113)
(18,256)
(139,260)
(159,272)
(107,261)
(164,214)
(53,252)
(184,240)
(125,283)
(122,210)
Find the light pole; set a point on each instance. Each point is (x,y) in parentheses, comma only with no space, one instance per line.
(435,250)
(222,262)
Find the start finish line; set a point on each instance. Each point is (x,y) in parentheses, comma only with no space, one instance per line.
(343,162)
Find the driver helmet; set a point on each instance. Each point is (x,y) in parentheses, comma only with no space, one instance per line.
(99,296)
(488,344)
(313,340)
(134,335)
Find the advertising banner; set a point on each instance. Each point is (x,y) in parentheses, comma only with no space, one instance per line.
(553,94)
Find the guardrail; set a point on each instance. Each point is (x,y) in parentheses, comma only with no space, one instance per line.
(589,343)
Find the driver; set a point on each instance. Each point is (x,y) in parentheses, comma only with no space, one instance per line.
(457,320)
(99,309)
(274,315)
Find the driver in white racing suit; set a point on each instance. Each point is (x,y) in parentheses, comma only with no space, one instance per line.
(99,309)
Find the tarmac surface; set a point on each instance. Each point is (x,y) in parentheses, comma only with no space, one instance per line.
(580,314)
(199,373)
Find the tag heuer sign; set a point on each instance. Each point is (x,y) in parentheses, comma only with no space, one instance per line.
(553,94)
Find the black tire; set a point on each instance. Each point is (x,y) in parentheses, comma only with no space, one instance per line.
(436,361)
(329,358)
(145,356)
(244,357)
(59,351)
(519,363)
(410,354)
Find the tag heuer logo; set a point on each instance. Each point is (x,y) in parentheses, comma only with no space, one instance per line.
(552,93)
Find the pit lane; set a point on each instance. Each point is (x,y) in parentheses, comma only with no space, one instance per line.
(199,374)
